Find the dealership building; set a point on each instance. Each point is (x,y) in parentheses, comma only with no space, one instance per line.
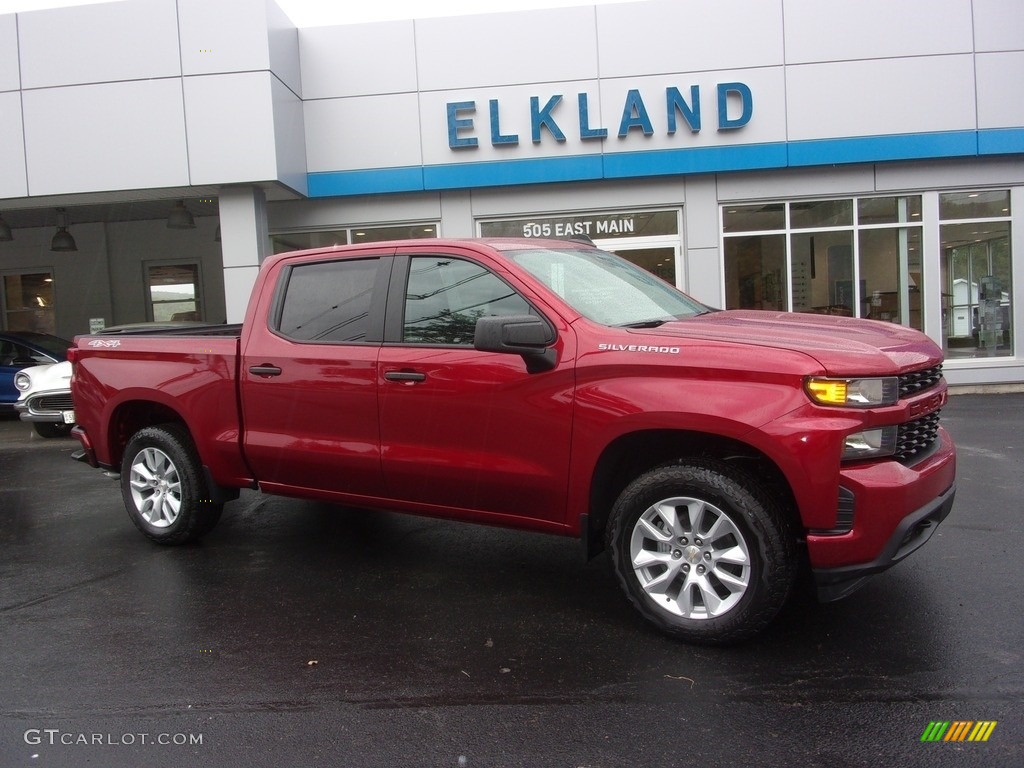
(862,159)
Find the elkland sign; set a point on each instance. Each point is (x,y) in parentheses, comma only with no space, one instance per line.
(550,121)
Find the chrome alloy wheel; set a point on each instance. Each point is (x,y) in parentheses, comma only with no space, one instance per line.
(690,558)
(155,487)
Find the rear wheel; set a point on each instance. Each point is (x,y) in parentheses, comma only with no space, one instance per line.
(163,486)
(702,551)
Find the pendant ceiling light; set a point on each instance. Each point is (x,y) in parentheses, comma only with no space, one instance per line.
(5,231)
(179,217)
(62,240)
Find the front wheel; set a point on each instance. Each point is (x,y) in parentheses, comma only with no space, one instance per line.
(702,551)
(163,486)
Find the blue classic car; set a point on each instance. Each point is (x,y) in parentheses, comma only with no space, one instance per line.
(21,350)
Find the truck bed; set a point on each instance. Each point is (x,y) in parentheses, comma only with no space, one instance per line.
(188,374)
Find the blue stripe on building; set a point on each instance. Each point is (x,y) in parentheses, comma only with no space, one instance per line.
(668,162)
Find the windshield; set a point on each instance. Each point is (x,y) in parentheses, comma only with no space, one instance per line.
(606,288)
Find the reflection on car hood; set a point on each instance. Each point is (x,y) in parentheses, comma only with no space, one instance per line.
(843,346)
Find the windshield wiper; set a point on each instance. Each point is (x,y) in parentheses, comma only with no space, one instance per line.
(643,324)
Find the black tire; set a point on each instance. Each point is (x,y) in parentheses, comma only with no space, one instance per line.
(51,429)
(164,488)
(708,589)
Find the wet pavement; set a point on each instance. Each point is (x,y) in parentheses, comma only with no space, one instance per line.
(299,634)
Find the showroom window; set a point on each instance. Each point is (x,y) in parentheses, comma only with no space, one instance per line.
(974,232)
(649,239)
(855,257)
(174,292)
(28,302)
(300,241)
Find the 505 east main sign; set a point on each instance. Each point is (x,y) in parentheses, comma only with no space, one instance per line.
(735,104)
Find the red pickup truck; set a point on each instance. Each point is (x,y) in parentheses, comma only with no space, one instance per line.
(545,385)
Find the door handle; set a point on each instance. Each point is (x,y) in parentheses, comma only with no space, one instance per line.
(411,376)
(265,370)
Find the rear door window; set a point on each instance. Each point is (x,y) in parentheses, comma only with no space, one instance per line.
(329,301)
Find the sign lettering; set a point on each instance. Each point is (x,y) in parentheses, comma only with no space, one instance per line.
(549,118)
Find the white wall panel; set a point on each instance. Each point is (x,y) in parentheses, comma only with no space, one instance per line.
(12,147)
(230,122)
(700,215)
(688,36)
(363,132)
(840,30)
(372,209)
(223,36)
(238,285)
(99,43)
(999,25)
(949,174)
(872,98)
(552,198)
(10,75)
(283,42)
(772,185)
(999,89)
(506,48)
(358,60)
(457,214)
(704,275)
(105,137)
(289,137)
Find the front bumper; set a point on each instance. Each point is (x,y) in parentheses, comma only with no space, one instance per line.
(896,509)
(912,532)
(54,407)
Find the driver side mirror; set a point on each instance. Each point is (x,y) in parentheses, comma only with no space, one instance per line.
(526,335)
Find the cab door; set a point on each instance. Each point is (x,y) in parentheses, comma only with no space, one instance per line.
(309,380)
(471,432)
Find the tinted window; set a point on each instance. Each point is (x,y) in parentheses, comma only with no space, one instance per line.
(329,301)
(446,296)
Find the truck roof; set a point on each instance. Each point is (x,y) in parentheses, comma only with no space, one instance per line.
(385,247)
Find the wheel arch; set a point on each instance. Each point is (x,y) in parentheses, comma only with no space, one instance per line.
(632,454)
(131,416)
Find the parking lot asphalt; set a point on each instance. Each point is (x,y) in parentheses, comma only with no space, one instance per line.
(300,634)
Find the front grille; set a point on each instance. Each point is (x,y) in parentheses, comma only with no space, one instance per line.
(918,381)
(917,436)
(60,402)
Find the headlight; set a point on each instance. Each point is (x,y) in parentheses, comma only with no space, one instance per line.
(856,393)
(22,381)
(870,443)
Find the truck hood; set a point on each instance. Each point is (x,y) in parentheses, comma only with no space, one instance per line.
(843,346)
